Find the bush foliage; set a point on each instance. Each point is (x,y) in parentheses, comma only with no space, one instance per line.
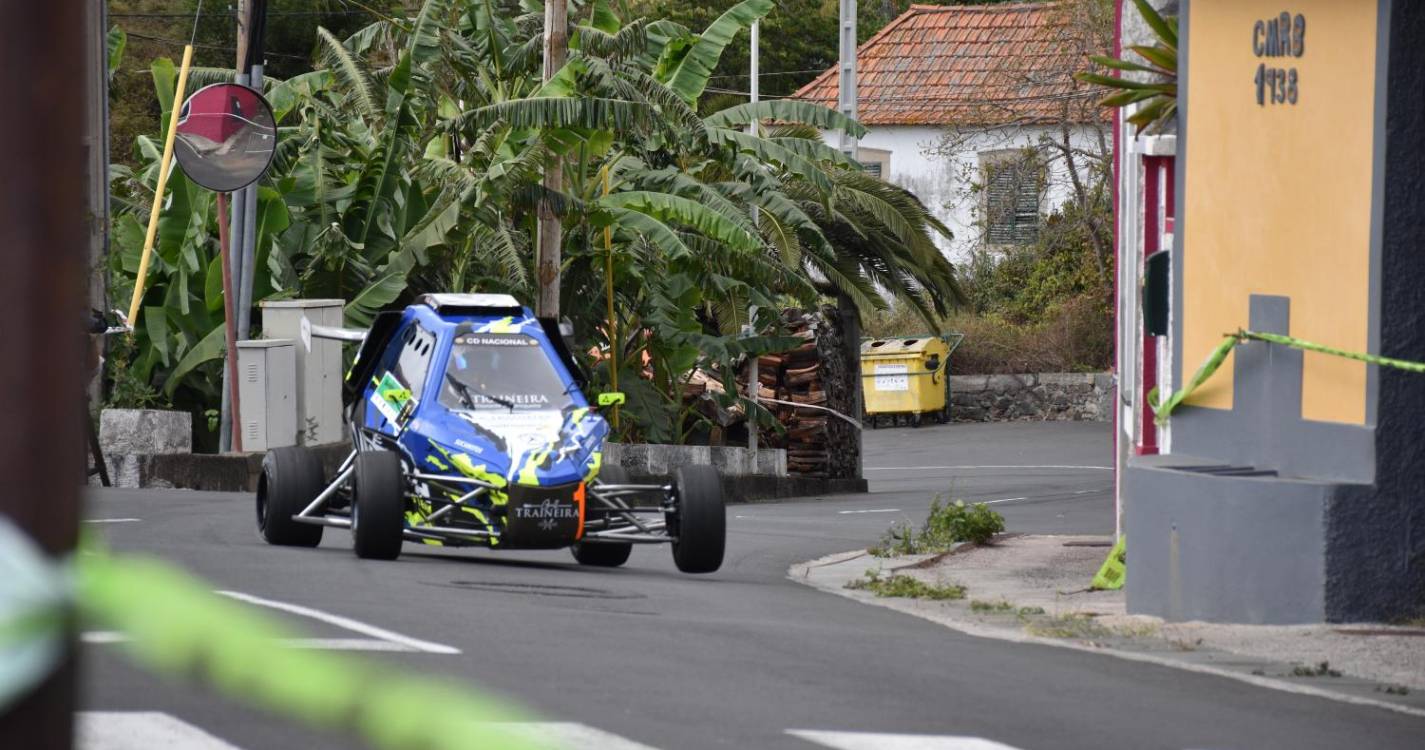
(946,526)
(1045,307)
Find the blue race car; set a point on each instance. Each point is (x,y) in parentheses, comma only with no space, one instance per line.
(469,426)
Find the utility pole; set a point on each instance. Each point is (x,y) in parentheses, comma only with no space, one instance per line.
(242,221)
(846,98)
(548,260)
(43,241)
(754,386)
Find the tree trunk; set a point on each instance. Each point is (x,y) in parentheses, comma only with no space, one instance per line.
(548,260)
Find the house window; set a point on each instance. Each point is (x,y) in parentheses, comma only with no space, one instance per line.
(1013,184)
(875,161)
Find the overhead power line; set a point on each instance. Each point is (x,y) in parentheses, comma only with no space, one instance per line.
(180,43)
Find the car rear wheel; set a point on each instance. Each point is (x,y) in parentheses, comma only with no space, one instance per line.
(605,554)
(700,522)
(291,478)
(378,506)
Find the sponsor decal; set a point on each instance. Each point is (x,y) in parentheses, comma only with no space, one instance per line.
(549,512)
(390,397)
(493,339)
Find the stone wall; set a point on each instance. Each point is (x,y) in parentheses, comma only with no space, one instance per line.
(660,460)
(1045,397)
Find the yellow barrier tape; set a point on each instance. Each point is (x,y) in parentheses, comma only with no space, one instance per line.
(1162,410)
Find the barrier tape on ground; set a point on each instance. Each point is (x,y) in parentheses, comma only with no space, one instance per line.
(176,625)
(1164,409)
(1113,572)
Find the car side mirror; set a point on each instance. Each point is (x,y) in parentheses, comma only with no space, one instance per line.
(1157,272)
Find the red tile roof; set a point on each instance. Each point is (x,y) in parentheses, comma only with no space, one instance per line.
(980,64)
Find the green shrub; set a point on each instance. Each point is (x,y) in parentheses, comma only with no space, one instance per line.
(946,526)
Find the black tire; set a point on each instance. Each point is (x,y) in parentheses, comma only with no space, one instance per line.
(605,554)
(378,505)
(701,519)
(291,478)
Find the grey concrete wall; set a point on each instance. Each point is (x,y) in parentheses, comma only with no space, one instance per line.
(1059,396)
(1224,548)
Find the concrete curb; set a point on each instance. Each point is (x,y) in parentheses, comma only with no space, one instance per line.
(828,574)
(238,472)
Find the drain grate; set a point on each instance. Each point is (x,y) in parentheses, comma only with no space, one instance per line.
(541,589)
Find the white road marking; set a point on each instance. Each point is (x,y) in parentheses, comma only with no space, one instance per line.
(568,735)
(141,730)
(995,466)
(111,520)
(107,637)
(878,510)
(346,623)
(872,741)
(1003,500)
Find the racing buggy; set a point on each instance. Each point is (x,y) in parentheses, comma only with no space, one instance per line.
(469,427)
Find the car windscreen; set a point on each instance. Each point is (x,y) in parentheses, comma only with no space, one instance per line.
(501,371)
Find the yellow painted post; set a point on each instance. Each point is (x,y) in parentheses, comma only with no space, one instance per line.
(609,284)
(163,170)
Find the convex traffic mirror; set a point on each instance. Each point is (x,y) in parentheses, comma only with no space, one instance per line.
(226,135)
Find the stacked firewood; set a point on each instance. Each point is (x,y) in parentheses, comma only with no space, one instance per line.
(809,374)
(816,373)
(795,377)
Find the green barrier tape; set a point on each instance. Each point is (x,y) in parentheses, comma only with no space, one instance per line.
(176,625)
(1114,571)
(1164,410)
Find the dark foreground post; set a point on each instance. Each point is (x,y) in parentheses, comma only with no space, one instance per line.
(43,236)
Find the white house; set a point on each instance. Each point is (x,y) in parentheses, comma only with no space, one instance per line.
(974,109)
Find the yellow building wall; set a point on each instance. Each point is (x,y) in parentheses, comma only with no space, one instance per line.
(1277,197)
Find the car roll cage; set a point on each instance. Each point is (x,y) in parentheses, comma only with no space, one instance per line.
(609,516)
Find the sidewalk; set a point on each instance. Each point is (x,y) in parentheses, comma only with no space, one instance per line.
(1034,589)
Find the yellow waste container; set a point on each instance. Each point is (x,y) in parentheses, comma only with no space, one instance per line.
(907,375)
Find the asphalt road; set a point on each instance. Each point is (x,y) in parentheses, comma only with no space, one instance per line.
(737,658)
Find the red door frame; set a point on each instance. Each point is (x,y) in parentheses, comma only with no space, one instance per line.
(1158,174)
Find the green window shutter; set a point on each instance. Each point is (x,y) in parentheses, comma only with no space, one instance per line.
(1012,202)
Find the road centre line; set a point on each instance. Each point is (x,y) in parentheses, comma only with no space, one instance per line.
(140,730)
(111,520)
(873,741)
(346,623)
(1001,500)
(878,510)
(991,466)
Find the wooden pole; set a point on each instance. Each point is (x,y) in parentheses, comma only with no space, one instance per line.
(548,260)
(163,172)
(43,241)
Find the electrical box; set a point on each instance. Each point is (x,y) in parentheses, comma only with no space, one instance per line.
(267,400)
(319,364)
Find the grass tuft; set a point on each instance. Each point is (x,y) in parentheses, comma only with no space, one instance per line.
(902,586)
